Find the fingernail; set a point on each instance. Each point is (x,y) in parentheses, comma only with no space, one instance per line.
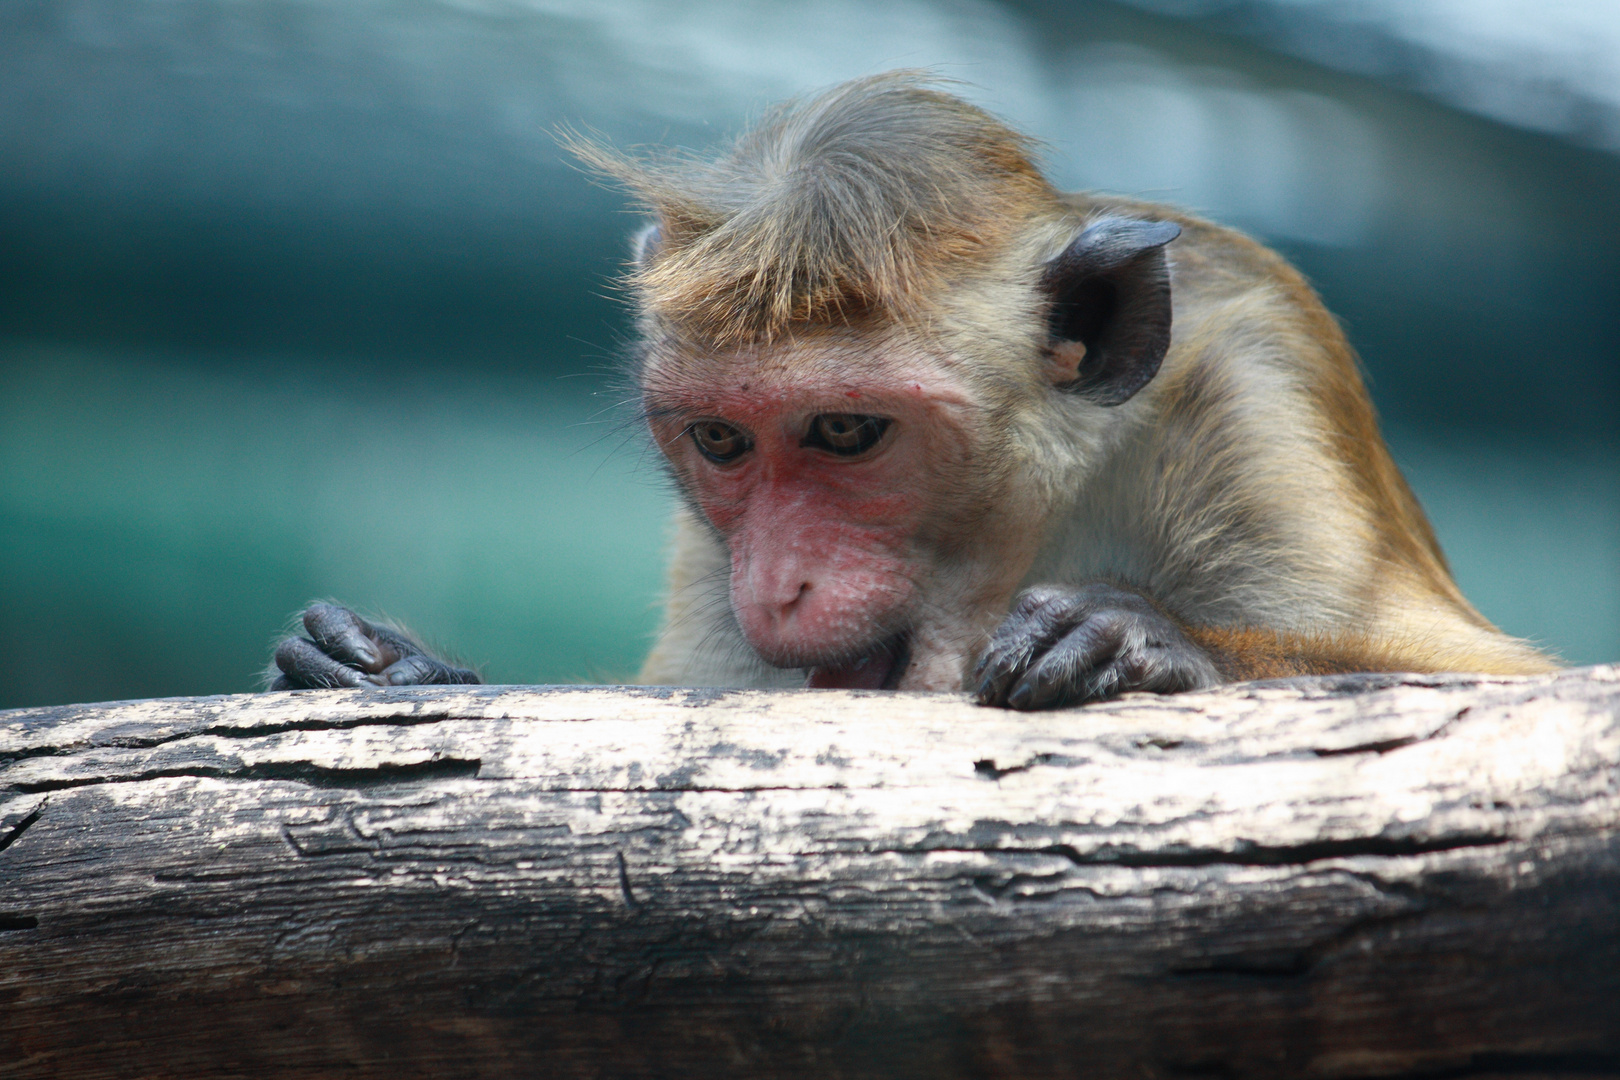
(1021,696)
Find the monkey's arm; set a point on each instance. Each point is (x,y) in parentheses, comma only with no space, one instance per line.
(1269,654)
(1068,646)
(343,649)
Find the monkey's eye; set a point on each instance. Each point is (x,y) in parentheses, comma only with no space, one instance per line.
(720,443)
(845,434)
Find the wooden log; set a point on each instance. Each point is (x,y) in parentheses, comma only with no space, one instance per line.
(1354,876)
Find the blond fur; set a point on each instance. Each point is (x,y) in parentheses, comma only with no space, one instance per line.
(847,205)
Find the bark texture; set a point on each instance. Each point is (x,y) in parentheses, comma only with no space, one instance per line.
(1345,877)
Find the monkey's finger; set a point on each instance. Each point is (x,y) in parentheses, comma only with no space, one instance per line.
(306,667)
(1038,620)
(424,670)
(1000,667)
(347,638)
(1161,659)
(1004,663)
(396,643)
(1067,674)
(1108,681)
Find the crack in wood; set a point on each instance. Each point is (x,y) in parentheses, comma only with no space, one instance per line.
(332,837)
(14,756)
(1266,964)
(1244,854)
(223,731)
(986,767)
(303,772)
(21,827)
(1386,745)
(1043,887)
(630,900)
(1382,747)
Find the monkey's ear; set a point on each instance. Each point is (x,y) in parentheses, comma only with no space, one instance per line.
(645,244)
(1110,314)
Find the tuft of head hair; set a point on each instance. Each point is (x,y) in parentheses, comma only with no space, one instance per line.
(855,201)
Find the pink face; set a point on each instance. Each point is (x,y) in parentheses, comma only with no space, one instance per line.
(831,484)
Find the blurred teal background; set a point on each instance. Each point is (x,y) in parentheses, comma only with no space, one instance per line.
(299,299)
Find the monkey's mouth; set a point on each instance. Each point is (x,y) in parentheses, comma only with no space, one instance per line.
(880,669)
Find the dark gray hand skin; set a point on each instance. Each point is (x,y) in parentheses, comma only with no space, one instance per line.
(343,649)
(1069,646)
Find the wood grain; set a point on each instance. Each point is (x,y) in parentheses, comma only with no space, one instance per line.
(1343,877)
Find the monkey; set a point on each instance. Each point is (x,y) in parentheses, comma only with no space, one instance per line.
(936,425)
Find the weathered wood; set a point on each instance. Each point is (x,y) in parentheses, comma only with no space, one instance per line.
(1367,876)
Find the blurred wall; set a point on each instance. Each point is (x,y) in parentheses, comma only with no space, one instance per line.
(300,299)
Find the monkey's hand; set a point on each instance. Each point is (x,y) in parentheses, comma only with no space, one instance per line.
(342,649)
(1069,646)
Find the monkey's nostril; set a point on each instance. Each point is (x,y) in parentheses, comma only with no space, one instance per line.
(793,602)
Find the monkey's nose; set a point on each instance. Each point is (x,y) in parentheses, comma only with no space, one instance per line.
(782,609)
(785,613)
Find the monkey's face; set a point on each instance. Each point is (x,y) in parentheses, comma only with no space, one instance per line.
(854,499)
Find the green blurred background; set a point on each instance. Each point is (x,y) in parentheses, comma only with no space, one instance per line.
(299,299)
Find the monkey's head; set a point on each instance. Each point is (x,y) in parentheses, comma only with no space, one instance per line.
(879,352)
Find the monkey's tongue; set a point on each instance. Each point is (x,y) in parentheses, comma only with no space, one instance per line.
(870,672)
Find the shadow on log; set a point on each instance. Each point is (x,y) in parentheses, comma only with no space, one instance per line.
(1348,877)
